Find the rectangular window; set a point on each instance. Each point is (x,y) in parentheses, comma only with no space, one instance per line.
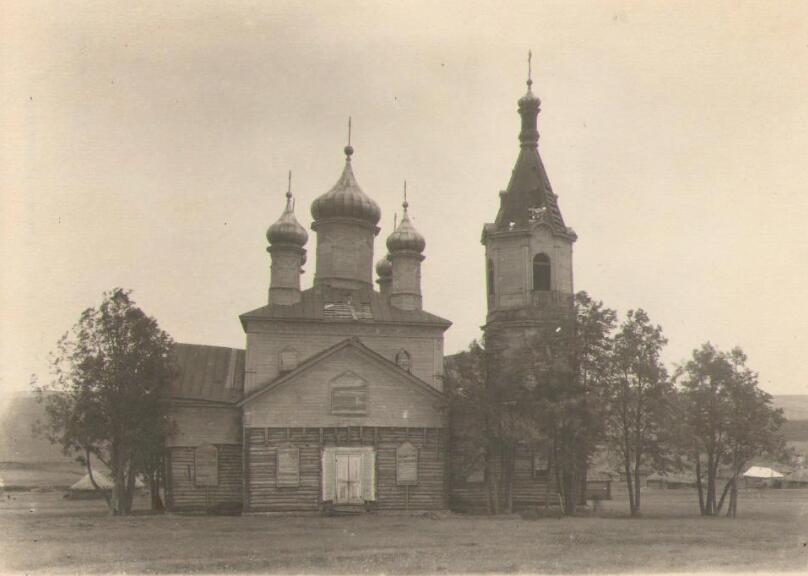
(349,400)
(475,471)
(288,467)
(406,465)
(540,464)
(206,464)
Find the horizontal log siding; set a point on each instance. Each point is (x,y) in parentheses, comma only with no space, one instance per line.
(529,492)
(263,495)
(183,494)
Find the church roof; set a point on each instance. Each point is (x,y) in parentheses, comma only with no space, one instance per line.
(357,345)
(207,373)
(529,197)
(322,304)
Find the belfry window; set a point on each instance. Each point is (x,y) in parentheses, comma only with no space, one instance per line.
(541,272)
(490,277)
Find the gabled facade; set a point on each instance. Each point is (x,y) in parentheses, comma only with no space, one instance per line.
(339,401)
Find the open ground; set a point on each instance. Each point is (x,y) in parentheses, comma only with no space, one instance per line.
(45,533)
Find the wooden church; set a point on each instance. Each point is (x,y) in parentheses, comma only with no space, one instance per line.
(337,400)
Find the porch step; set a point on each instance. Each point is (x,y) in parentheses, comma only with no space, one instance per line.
(347,509)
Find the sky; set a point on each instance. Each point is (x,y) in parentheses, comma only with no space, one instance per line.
(146,145)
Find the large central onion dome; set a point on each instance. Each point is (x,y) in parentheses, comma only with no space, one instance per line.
(287,230)
(405,237)
(346,199)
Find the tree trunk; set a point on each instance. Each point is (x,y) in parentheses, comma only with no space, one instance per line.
(732,510)
(154,492)
(492,484)
(710,504)
(637,487)
(724,493)
(629,486)
(699,485)
(118,484)
(104,493)
(571,492)
(507,463)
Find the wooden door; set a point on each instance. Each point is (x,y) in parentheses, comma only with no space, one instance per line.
(349,479)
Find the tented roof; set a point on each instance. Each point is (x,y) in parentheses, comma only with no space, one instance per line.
(104,482)
(762,472)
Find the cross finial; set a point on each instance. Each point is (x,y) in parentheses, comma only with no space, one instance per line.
(395,220)
(405,205)
(289,187)
(349,148)
(529,68)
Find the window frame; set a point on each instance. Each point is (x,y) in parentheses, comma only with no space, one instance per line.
(542,269)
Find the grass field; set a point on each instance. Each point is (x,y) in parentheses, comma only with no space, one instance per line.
(44,533)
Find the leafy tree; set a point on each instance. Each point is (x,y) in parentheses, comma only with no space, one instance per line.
(544,394)
(729,421)
(110,374)
(639,399)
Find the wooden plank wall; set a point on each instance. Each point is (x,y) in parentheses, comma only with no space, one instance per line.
(430,493)
(529,492)
(183,494)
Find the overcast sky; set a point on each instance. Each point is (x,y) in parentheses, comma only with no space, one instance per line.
(147,147)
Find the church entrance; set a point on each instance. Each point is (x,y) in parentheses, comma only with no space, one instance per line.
(349,475)
(349,479)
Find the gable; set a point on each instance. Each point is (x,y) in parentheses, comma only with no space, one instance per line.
(347,387)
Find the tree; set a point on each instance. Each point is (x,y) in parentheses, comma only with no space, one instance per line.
(729,421)
(638,402)
(110,374)
(544,394)
(572,367)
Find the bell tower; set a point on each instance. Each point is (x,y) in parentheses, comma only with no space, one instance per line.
(528,248)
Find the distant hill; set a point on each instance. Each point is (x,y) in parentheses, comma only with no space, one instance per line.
(18,413)
(795,406)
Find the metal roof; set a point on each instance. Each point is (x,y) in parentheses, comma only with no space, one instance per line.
(328,304)
(210,373)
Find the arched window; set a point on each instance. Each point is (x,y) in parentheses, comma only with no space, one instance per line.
(403,360)
(490,277)
(541,272)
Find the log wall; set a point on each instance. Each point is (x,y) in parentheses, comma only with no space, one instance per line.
(529,491)
(182,491)
(262,494)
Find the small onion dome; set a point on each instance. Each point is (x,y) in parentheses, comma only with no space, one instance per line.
(287,230)
(384,268)
(405,237)
(346,199)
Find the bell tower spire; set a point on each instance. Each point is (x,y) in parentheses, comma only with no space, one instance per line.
(528,247)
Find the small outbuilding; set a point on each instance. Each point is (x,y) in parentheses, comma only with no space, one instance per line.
(83,488)
(759,476)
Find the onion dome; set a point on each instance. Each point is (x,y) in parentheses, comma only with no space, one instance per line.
(405,236)
(384,268)
(346,199)
(287,230)
(529,99)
